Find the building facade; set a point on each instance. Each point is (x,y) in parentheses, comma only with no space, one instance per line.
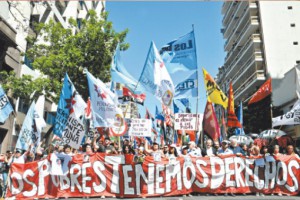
(16,23)
(262,41)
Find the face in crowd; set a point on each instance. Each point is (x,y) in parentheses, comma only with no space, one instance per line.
(290,150)
(166,149)
(155,147)
(208,144)
(88,149)
(233,143)
(67,150)
(217,145)
(276,149)
(192,145)
(224,145)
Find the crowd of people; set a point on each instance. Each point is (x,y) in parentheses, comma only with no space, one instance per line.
(139,151)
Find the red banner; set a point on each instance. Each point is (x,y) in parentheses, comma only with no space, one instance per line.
(262,92)
(232,120)
(102,175)
(210,123)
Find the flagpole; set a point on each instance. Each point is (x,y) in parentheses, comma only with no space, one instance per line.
(197,78)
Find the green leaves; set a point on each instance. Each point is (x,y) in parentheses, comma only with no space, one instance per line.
(91,47)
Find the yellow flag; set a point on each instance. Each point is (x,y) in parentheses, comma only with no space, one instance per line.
(213,91)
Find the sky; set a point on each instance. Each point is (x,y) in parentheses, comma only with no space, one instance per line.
(162,22)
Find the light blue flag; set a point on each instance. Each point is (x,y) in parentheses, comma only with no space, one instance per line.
(156,78)
(104,103)
(28,130)
(120,75)
(180,105)
(187,88)
(240,131)
(5,106)
(63,110)
(180,54)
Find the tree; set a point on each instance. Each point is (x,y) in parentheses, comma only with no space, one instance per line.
(62,51)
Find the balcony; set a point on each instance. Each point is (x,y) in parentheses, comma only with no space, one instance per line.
(228,14)
(250,27)
(238,13)
(255,80)
(225,6)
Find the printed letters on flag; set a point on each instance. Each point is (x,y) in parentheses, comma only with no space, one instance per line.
(188,87)
(27,135)
(104,103)
(214,93)
(70,101)
(120,75)
(264,91)
(290,118)
(155,77)
(130,96)
(5,106)
(180,54)
(232,120)
(210,123)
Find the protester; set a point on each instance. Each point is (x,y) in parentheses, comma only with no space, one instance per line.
(127,150)
(209,150)
(290,151)
(244,150)
(276,151)
(139,158)
(216,145)
(4,168)
(194,151)
(18,157)
(155,152)
(224,150)
(172,151)
(264,151)
(106,147)
(236,149)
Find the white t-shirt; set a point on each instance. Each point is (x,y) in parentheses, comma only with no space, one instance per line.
(20,160)
(209,152)
(195,152)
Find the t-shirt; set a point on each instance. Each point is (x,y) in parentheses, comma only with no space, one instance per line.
(19,160)
(225,152)
(195,152)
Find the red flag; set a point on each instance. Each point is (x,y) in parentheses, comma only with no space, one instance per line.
(232,120)
(88,113)
(210,122)
(262,92)
(223,124)
(138,98)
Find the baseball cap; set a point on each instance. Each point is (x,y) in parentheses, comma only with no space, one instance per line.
(18,151)
(173,145)
(225,141)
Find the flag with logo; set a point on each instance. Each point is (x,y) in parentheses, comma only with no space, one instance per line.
(213,91)
(70,101)
(264,91)
(5,106)
(290,118)
(155,77)
(210,122)
(104,103)
(27,135)
(188,87)
(128,95)
(120,75)
(180,54)
(232,120)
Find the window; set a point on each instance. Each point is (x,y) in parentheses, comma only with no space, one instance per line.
(295,43)
(290,7)
(293,25)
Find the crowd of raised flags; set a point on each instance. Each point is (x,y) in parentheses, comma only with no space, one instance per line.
(156,78)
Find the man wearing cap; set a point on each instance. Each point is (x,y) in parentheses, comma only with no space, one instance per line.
(224,150)
(106,147)
(19,157)
(194,151)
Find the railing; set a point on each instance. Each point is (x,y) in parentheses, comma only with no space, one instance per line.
(258,73)
(229,11)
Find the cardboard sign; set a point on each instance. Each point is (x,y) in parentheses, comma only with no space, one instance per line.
(140,128)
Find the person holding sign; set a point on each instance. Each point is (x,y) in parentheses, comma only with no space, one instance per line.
(155,152)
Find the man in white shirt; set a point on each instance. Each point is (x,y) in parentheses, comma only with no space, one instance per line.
(194,151)
(224,150)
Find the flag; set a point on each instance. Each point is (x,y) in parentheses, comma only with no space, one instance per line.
(264,91)
(213,91)
(155,77)
(39,122)
(176,108)
(5,106)
(128,95)
(28,130)
(210,123)
(180,54)
(223,126)
(158,114)
(88,111)
(188,87)
(240,131)
(232,120)
(70,101)
(290,118)
(104,103)
(120,75)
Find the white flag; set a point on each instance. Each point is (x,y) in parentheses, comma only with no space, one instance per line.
(290,118)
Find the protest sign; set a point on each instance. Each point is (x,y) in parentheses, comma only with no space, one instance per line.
(73,133)
(119,176)
(187,121)
(140,128)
